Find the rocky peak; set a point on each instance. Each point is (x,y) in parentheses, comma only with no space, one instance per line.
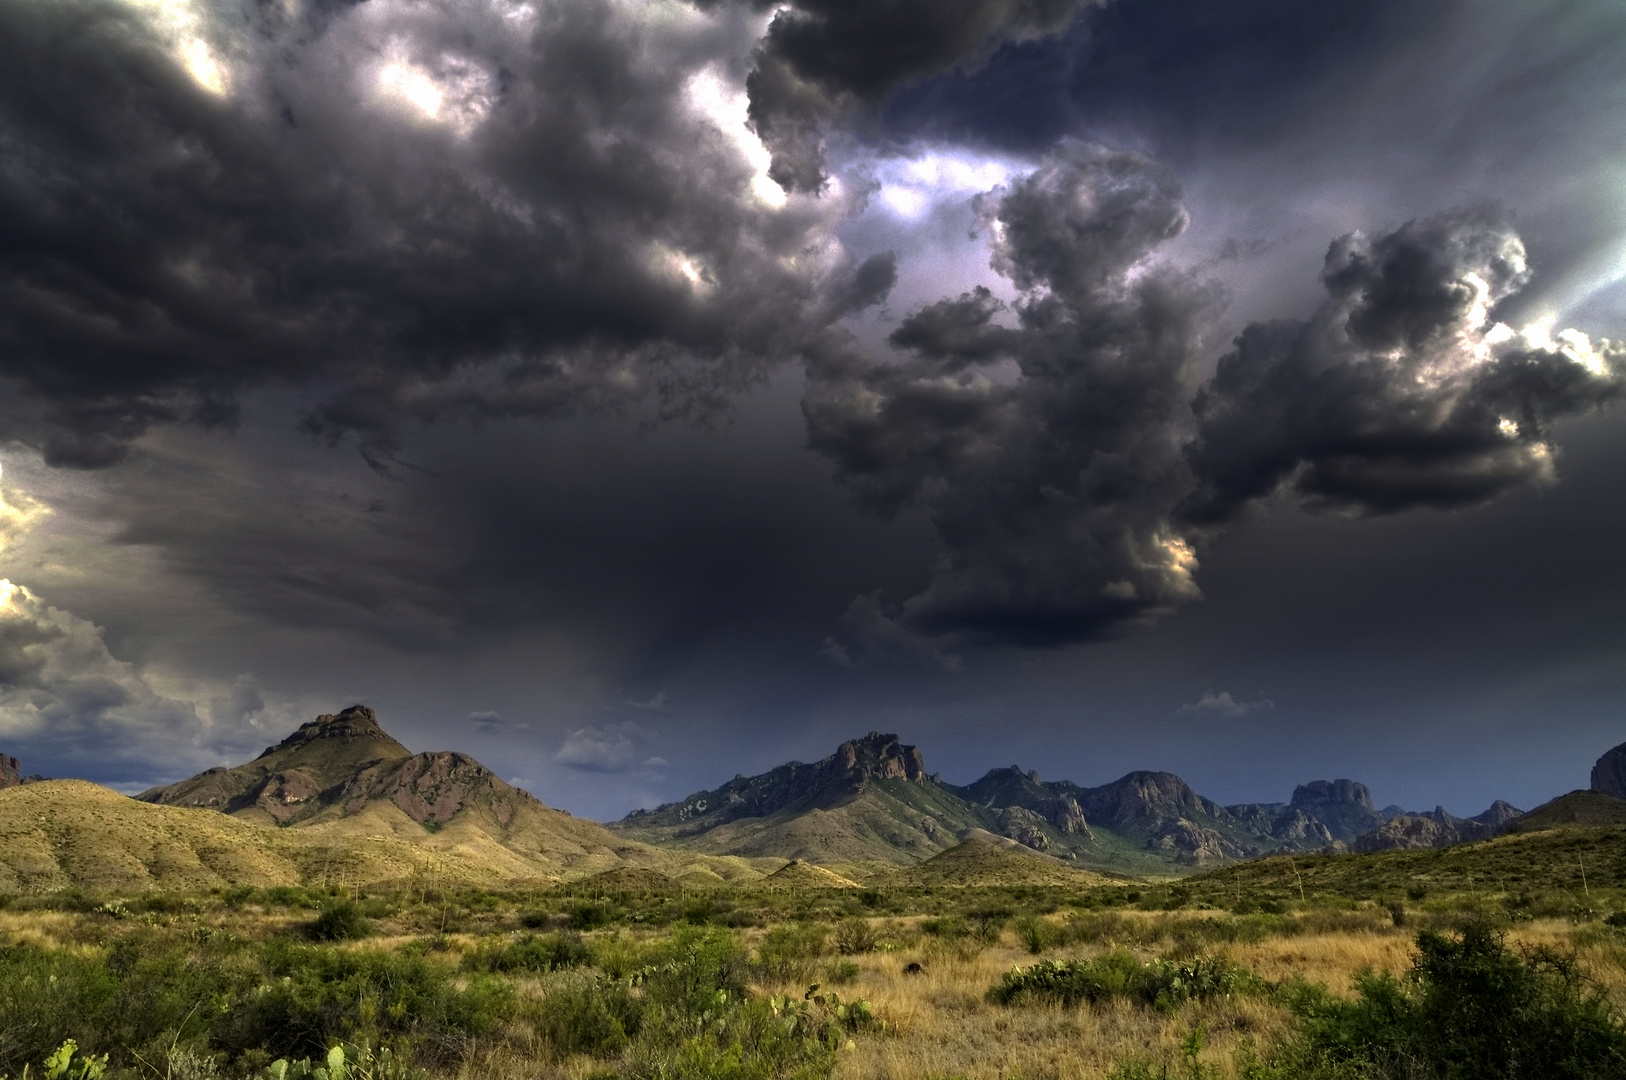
(1609,774)
(877,757)
(356,722)
(1501,812)
(11,772)
(1143,797)
(1332,793)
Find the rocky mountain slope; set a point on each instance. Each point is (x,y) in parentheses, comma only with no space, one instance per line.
(338,800)
(1436,828)
(869,802)
(873,801)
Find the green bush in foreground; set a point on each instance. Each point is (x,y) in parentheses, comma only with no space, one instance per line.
(1469,1009)
(533,953)
(1162,984)
(341,920)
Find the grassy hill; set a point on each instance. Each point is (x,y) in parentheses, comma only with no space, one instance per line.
(1557,858)
(63,833)
(984,861)
(1576,808)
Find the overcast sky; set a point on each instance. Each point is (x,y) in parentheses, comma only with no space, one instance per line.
(631,393)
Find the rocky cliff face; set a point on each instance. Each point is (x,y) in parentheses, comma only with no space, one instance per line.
(1343,806)
(1609,774)
(11,772)
(1011,786)
(877,757)
(1024,826)
(1196,845)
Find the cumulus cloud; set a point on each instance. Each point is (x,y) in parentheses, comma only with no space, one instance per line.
(1401,391)
(1223,704)
(20,512)
(69,704)
(609,748)
(63,694)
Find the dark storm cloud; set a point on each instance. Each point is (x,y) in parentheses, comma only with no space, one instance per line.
(486,210)
(1071,463)
(822,59)
(1400,392)
(1049,481)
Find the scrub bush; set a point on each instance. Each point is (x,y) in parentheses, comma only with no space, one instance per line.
(1162,984)
(1469,1009)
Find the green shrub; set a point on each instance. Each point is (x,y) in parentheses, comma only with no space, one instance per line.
(840,972)
(947,927)
(588,1016)
(340,920)
(590,915)
(786,953)
(853,936)
(313,997)
(686,972)
(533,952)
(1469,1008)
(1039,934)
(1161,983)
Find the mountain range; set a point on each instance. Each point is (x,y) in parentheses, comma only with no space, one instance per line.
(873,801)
(339,799)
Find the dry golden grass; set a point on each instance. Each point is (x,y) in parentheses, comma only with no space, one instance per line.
(941,1024)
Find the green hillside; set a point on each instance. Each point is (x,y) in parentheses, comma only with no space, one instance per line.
(1569,858)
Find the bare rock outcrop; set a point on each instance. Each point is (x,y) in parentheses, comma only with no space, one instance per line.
(1065,814)
(1609,774)
(1024,826)
(1408,832)
(1194,844)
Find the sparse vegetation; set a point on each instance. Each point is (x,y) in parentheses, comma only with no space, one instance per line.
(1224,975)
